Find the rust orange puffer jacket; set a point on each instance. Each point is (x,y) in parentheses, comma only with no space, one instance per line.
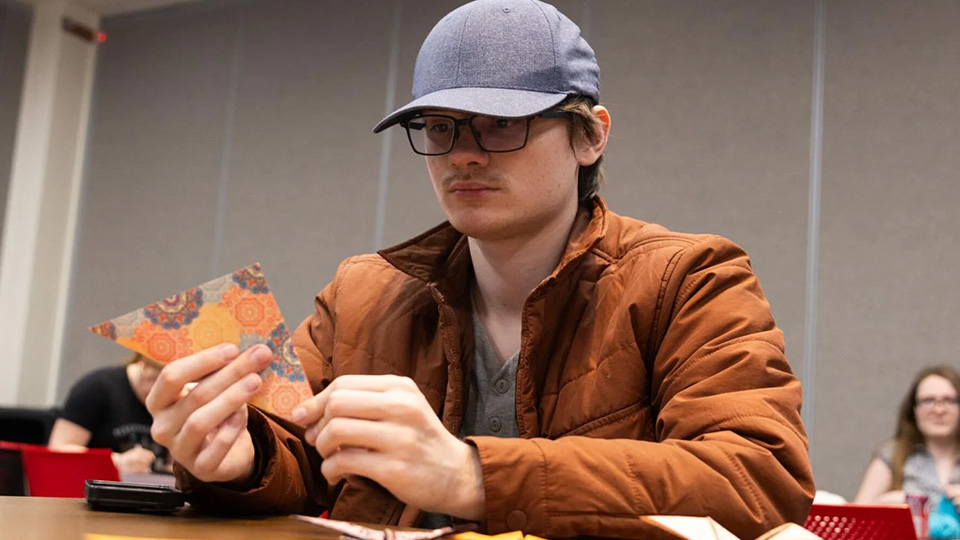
(651,380)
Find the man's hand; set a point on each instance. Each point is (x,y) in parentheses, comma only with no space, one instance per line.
(382,428)
(205,428)
(135,460)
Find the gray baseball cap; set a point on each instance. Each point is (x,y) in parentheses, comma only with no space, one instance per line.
(509,58)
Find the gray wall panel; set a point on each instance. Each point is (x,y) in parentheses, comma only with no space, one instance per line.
(15,20)
(890,228)
(412,206)
(303,173)
(146,221)
(711,115)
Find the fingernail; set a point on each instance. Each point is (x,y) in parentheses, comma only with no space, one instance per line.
(261,356)
(226,347)
(298,414)
(251,382)
(310,435)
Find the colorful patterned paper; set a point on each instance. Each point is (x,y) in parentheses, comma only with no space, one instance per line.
(352,531)
(236,308)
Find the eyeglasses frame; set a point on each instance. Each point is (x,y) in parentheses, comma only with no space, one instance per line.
(468,121)
(928,404)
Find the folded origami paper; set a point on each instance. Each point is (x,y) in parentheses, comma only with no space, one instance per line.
(236,308)
(705,528)
(352,531)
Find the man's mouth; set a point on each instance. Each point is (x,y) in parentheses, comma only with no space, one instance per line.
(469,185)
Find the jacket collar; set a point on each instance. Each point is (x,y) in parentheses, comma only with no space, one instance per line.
(440,256)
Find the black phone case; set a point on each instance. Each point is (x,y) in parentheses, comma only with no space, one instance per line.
(124,497)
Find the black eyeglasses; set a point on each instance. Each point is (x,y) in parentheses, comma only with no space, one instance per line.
(437,134)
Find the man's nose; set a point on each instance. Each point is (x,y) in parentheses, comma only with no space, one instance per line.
(467,152)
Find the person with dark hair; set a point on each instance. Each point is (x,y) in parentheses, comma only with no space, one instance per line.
(924,455)
(105,409)
(538,362)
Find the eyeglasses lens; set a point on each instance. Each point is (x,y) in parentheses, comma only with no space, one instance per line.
(931,402)
(436,134)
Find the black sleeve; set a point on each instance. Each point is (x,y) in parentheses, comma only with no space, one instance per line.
(84,405)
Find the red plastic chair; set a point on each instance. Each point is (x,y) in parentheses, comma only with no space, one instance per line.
(52,473)
(861,522)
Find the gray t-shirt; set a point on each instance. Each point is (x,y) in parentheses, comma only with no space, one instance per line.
(491,400)
(919,470)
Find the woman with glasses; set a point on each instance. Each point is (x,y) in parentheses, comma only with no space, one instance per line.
(924,455)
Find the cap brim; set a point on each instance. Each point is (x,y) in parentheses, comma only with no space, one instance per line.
(489,101)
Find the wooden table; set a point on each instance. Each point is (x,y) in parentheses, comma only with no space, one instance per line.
(40,518)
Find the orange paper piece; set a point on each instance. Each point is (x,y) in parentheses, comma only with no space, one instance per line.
(705,528)
(515,535)
(236,308)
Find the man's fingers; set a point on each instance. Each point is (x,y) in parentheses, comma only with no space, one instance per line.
(311,410)
(372,383)
(392,404)
(351,432)
(176,374)
(249,362)
(252,360)
(207,418)
(358,462)
(364,404)
(210,456)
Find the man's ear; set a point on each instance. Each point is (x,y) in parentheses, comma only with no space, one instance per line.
(589,151)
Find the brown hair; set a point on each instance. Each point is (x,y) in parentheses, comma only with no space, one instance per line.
(584,126)
(908,434)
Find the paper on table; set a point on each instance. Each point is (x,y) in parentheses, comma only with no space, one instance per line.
(515,535)
(236,308)
(354,531)
(90,536)
(789,531)
(705,528)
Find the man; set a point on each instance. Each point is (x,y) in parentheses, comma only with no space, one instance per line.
(537,363)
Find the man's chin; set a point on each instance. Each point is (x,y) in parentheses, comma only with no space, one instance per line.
(482,228)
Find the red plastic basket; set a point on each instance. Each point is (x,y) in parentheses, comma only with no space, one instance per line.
(861,522)
(50,473)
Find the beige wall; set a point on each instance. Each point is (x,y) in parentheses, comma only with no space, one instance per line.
(233,132)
